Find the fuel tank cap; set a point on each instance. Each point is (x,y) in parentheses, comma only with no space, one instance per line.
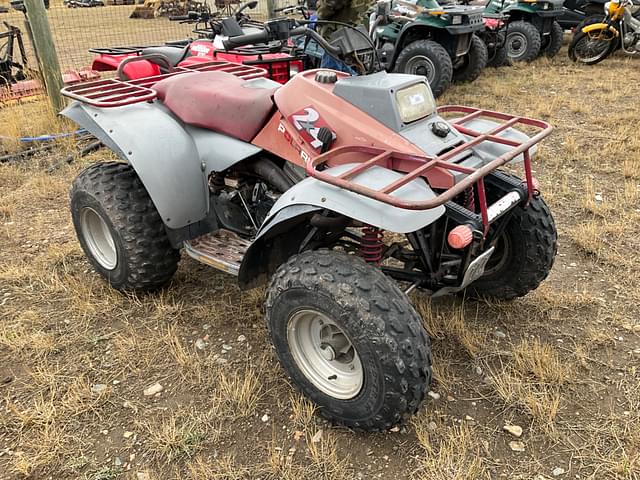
(326,76)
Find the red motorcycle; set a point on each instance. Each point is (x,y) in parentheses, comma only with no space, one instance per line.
(213,31)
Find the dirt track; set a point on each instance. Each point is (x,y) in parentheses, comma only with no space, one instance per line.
(562,363)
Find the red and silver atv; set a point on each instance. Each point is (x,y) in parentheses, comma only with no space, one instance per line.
(139,62)
(296,185)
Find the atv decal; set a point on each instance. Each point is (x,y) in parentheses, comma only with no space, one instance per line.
(289,138)
(308,122)
(201,50)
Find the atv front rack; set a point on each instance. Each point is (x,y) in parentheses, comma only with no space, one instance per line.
(112,92)
(437,170)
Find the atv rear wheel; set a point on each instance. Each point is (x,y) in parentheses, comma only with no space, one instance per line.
(553,42)
(498,55)
(119,228)
(523,41)
(524,254)
(349,339)
(473,62)
(430,59)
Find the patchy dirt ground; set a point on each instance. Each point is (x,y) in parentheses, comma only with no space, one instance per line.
(561,363)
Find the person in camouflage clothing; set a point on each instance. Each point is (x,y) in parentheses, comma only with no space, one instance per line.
(346,11)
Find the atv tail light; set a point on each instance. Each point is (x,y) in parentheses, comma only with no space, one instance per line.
(460,237)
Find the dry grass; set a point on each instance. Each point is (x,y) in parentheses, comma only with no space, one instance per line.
(566,370)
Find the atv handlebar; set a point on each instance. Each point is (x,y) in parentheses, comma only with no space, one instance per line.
(279,30)
(179,18)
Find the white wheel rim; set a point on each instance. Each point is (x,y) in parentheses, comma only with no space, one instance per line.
(98,238)
(324,354)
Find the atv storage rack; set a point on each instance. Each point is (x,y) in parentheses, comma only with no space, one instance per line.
(437,170)
(111,92)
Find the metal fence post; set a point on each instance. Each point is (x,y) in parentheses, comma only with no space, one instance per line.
(45,51)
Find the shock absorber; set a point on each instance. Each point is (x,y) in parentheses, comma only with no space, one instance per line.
(371,245)
(469,199)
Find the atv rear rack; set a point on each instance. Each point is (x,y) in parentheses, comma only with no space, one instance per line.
(112,92)
(436,169)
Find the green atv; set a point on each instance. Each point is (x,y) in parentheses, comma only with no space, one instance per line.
(533,27)
(425,38)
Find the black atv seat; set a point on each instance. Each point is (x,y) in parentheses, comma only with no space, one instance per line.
(174,54)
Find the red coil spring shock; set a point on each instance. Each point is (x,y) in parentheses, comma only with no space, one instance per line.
(371,244)
(470,199)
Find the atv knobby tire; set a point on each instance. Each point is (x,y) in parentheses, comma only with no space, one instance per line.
(473,62)
(498,55)
(523,42)
(553,42)
(111,207)
(524,254)
(430,59)
(384,329)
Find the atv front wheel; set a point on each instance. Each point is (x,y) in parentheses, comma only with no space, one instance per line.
(349,339)
(523,41)
(473,62)
(552,42)
(119,228)
(430,59)
(523,255)
(498,56)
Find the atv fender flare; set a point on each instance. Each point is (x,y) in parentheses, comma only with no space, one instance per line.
(422,30)
(283,232)
(172,160)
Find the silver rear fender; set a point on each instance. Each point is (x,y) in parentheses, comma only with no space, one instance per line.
(173,160)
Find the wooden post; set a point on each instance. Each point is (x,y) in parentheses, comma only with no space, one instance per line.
(270,8)
(45,52)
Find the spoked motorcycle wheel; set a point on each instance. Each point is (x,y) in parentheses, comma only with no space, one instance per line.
(592,47)
(349,339)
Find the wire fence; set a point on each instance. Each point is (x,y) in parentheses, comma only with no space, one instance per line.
(77,26)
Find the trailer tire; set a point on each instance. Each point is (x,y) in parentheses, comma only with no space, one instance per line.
(120,229)
(473,62)
(383,371)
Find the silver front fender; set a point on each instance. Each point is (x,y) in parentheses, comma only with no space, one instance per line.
(173,160)
(282,232)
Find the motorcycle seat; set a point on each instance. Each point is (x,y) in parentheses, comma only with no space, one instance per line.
(219,101)
(174,54)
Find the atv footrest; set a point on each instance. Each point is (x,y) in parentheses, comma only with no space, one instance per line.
(223,250)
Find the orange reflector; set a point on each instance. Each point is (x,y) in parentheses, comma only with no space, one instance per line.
(460,236)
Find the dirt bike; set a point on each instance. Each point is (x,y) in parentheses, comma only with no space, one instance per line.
(577,12)
(294,186)
(597,40)
(426,38)
(211,30)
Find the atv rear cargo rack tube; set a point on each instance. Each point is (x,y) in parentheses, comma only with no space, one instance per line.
(415,166)
(110,93)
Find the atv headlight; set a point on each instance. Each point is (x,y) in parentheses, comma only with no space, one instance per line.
(456,20)
(294,69)
(415,102)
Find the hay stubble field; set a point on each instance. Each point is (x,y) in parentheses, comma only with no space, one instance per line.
(561,363)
